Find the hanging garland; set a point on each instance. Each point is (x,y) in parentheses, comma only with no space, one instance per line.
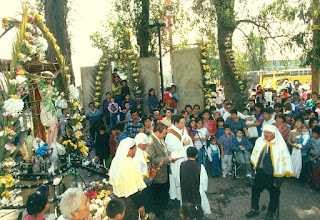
(121,56)
(240,79)
(209,94)
(97,81)
(135,80)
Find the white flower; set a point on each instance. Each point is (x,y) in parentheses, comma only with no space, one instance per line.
(74,92)
(41,44)
(13,107)
(18,80)
(4,201)
(56,181)
(93,207)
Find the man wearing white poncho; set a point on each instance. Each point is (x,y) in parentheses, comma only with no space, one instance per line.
(177,141)
(271,158)
(126,179)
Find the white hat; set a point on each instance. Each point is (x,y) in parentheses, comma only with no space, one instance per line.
(141,138)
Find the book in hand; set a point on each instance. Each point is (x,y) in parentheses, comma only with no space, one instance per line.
(177,155)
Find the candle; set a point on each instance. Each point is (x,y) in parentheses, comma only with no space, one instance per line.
(104,163)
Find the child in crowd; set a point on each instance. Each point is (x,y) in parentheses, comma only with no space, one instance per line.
(37,204)
(113,142)
(220,127)
(242,146)
(289,118)
(121,132)
(214,157)
(113,109)
(116,209)
(268,116)
(252,131)
(188,108)
(304,144)
(161,108)
(226,141)
(315,158)
(102,144)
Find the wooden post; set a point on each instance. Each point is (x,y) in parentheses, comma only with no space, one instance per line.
(35,99)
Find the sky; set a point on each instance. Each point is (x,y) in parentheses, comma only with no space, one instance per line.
(86,17)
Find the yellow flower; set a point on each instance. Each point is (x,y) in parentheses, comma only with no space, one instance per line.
(135,68)
(37,17)
(131,57)
(101,68)
(5,194)
(75,105)
(105,60)
(27,34)
(65,143)
(108,192)
(100,72)
(19,54)
(6,129)
(20,72)
(98,197)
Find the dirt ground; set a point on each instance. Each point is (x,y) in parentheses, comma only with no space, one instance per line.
(230,199)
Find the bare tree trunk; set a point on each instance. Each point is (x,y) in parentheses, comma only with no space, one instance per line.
(315,60)
(56,12)
(143,35)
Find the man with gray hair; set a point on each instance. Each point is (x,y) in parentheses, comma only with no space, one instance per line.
(74,205)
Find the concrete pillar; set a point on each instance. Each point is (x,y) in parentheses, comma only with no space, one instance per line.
(88,83)
(187,75)
(149,78)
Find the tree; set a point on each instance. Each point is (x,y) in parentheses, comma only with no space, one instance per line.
(220,15)
(306,14)
(56,13)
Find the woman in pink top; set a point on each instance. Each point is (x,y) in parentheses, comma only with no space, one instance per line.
(37,204)
(304,94)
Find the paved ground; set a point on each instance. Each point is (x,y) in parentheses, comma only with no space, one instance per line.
(230,199)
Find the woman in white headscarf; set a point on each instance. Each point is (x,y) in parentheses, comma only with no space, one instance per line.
(126,179)
(271,159)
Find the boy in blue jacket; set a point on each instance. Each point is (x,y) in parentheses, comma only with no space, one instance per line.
(241,147)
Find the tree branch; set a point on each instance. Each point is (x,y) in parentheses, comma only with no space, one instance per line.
(259,26)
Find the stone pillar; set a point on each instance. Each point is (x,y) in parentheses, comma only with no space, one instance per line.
(187,76)
(149,78)
(87,80)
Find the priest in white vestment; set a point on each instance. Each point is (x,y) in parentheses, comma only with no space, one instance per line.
(177,141)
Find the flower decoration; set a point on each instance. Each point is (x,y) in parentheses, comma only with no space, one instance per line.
(74,92)
(209,94)
(13,107)
(99,195)
(43,150)
(10,147)
(135,79)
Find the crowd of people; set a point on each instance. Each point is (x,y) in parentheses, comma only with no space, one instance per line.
(163,158)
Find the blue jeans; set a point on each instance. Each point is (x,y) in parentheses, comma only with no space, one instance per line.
(113,120)
(215,164)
